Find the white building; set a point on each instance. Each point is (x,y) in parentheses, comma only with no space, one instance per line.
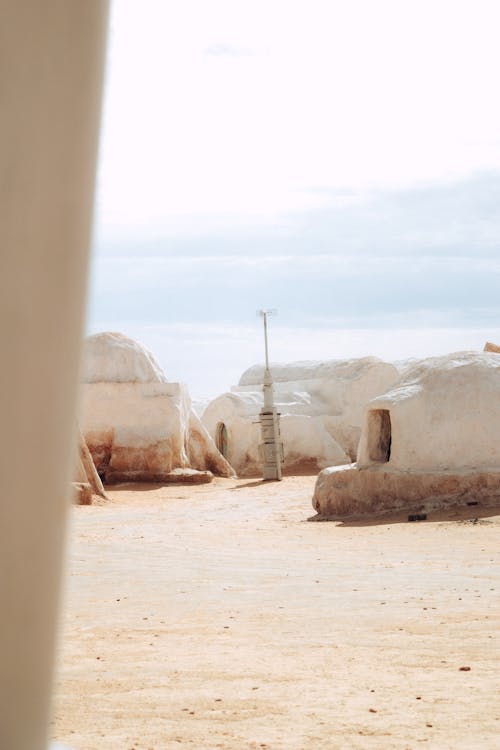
(321,406)
(431,441)
(138,426)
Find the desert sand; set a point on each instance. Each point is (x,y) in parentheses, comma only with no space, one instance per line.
(216,616)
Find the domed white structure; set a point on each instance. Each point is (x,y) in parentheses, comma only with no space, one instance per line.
(321,406)
(137,425)
(431,441)
(114,358)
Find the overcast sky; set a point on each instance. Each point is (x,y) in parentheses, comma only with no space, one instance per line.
(338,160)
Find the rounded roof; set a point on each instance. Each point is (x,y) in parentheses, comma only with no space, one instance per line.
(444,415)
(451,374)
(344,369)
(114,358)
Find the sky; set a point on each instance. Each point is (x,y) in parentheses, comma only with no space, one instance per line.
(338,160)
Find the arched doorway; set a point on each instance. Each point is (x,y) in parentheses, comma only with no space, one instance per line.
(221,438)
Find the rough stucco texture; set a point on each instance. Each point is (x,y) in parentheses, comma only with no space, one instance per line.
(321,406)
(440,433)
(342,491)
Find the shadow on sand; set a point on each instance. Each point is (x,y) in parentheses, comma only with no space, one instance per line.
(254,483)
(140,486)
(466,514)
(286,475)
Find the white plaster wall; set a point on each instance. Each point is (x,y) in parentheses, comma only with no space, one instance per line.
(305,437)
(239,412)
(139,413)
(201,449)
(149,427)
(445,415)
(321,417)
(349,392)
(141,424)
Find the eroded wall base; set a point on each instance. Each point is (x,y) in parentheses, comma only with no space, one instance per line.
(176,476)
(343,491)
(143,432)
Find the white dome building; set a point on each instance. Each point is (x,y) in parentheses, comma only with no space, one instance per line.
(321,406)
(431,441)
(115,358)
(138,426)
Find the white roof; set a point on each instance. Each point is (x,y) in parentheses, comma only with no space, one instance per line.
(343,369)
(115,358)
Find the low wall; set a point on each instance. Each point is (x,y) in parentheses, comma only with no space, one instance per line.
(343,491)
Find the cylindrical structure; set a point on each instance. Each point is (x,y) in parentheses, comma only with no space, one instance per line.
(271,448)
(51,63)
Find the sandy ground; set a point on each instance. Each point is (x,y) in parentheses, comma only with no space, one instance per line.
(217,617)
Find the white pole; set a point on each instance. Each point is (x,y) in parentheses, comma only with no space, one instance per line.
(265,338)
(52,58)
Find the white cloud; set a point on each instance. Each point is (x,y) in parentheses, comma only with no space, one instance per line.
(342,93)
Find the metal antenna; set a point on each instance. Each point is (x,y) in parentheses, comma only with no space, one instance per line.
(264,314)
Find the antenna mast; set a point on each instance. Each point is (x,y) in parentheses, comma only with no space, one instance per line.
(271,448)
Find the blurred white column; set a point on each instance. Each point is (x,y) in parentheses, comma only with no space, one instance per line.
(51,63)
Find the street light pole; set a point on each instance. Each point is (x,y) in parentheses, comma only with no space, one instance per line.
(271,448)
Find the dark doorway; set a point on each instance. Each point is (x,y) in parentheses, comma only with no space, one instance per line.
(379,435)
(221,438)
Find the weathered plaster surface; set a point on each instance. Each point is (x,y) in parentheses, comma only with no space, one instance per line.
(445,414)
(439,429)
(135,425)
(321,406)
(143,431)
(139,427)
(201,450)
(342,491)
